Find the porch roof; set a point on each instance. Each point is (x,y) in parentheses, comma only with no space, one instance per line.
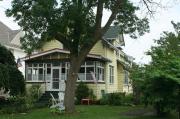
(61,51)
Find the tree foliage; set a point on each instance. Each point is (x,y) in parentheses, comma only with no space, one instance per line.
(162,84)
(158,83)
(72,20)
(16,81)
(137,76)
(7,57)
(11,79)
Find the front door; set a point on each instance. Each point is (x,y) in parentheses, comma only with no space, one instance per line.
(55,79)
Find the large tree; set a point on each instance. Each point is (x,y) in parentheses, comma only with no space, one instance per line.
(75,24)
(162,84)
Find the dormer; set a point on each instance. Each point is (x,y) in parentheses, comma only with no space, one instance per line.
(114,36)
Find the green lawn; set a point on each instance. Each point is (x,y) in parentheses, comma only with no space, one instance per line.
(83,112)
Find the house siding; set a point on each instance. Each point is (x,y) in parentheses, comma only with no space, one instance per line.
(51,45)
(98,49)
(111,87)
(120,77)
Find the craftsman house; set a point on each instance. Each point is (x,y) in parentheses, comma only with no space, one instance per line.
(105,69)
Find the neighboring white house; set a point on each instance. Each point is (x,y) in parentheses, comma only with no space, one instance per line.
(11,40)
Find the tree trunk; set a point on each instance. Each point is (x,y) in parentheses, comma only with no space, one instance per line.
(75,64)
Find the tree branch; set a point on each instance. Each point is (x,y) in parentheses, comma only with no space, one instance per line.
(61,38)
(115,10)
(147,6)
(150,5)
(99,14)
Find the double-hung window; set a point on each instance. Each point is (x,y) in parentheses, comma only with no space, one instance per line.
(126,81)
(111,74)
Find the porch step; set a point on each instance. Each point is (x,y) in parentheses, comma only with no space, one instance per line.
(44,100)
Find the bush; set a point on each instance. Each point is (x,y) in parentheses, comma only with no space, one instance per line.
(11,78)
(128,100)
(16,81)
(112,99)
(91,94)
(6,57)
(16,104)
(33,94)
(4,76)
(82,91)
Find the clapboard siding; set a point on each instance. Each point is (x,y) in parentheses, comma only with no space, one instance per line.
(98,49)
(51,45)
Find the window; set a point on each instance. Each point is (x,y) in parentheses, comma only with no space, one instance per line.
(41,74)
(100,73)
(81,75)
(48,70)
(82,70)
(29,74)
(111,74)
(89,69)
(126,77)
(64,67)
(35,72)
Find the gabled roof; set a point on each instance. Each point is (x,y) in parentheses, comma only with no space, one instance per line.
(113,33)
(57,50)
(7,35)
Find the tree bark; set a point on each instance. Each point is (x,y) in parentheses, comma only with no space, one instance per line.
(75,64)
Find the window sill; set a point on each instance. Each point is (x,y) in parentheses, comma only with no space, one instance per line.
(35,81)
(90,81)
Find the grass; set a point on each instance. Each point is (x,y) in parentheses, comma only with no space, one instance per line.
(83,112)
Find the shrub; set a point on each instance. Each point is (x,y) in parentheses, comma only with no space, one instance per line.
(16,81)
(91,94)
(11,78)
(16,104)
(4,76)
(33,94)
(6,57)
(162,92)
(128,99)
(104,100)
(112,99)
(82,91)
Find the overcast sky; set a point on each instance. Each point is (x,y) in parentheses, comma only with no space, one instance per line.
(134,47)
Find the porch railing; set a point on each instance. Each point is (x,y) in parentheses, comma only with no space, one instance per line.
(48,77)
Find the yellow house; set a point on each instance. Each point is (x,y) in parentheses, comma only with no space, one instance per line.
(105,69)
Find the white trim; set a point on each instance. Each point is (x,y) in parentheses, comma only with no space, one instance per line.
(14,48)
(45,53)
(60,51)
